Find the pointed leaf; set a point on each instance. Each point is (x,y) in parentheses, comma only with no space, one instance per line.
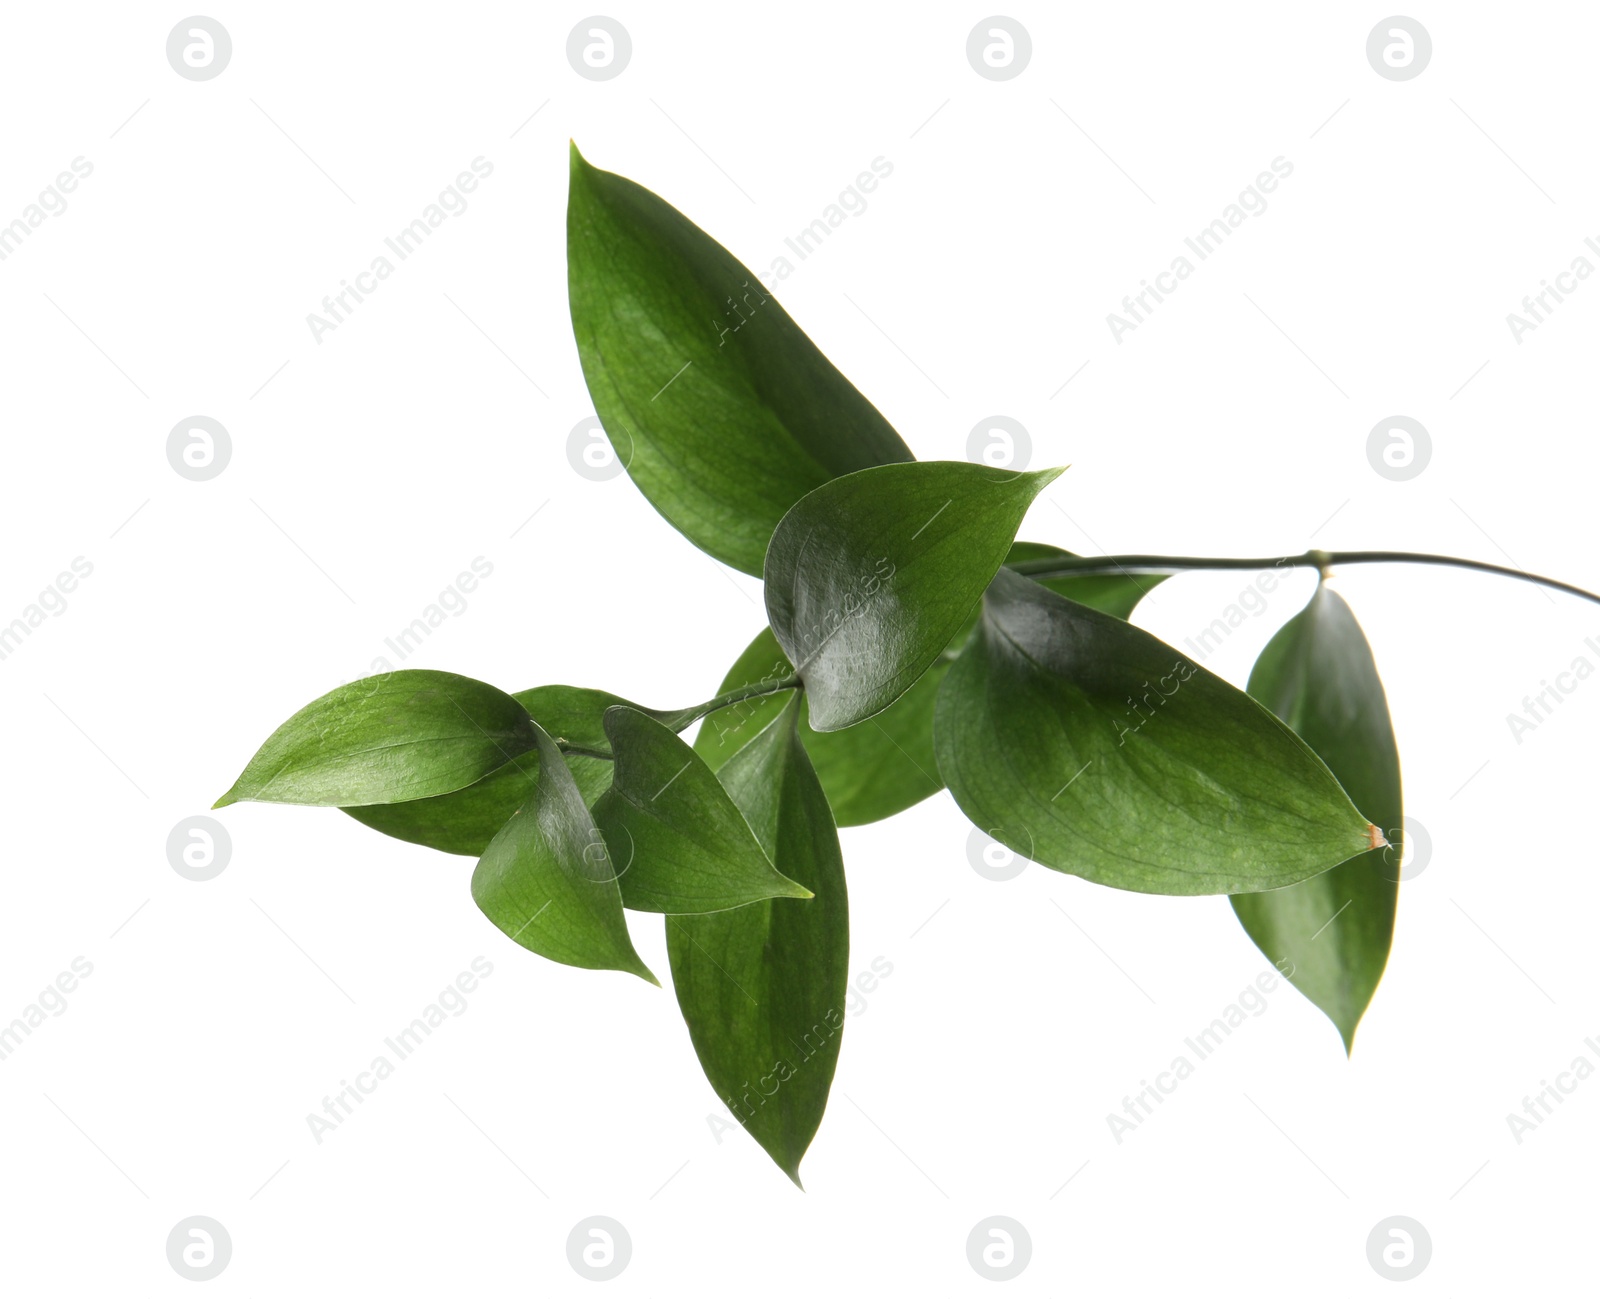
(546,880)
(1334,930)
(763,987)
(679,843)
(722,410)
(1091,747)
(386,739)
(870,576)
(466,820)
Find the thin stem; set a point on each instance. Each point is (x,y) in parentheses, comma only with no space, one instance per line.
(579,751)
(678,720)
(756,690)
(1322,560)
(1127,565)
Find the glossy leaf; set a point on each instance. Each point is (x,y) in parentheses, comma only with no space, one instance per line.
(679,843)
(762,988)
(1333,931)
(386,739)
(1091,747)
(870,576)
(546,881)
(722,410)
(885,764)
(465,820)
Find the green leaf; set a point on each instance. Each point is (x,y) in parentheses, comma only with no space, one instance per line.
(722,410)
(879,767)
(462,822)
(546,880)
(1093,748)
(870,576)
(465,820)
(763,988)
(680,844)
(1318,675)
(386,739)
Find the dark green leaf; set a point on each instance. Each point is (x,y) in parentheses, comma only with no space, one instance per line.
(546,880)
(1333,931)
(387,739)
(464,821)
(1091,747)
(723,411)
(870,576)
(679,843)
(763,987)
(885,764)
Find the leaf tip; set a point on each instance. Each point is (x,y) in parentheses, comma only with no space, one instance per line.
(1375,837)
(227,800)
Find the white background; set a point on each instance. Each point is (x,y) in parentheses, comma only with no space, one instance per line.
(372,466)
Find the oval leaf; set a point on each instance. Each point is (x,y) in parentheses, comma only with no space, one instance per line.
(763,988)
(546,881)
(869,576)
(1333,930)
(723,411)
(387,739)
(679,843)
(466,820)
(1093,748)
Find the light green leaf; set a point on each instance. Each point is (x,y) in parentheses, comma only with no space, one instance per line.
(722,410)
(465,820)
(1333,931)
(763,987)
(1091,747)
(870,576)
(386,739)
(679,843)
(546,881)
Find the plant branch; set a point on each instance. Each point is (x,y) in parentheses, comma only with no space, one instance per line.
(1322,560)
(684,716)
(757,690)
(580,751)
